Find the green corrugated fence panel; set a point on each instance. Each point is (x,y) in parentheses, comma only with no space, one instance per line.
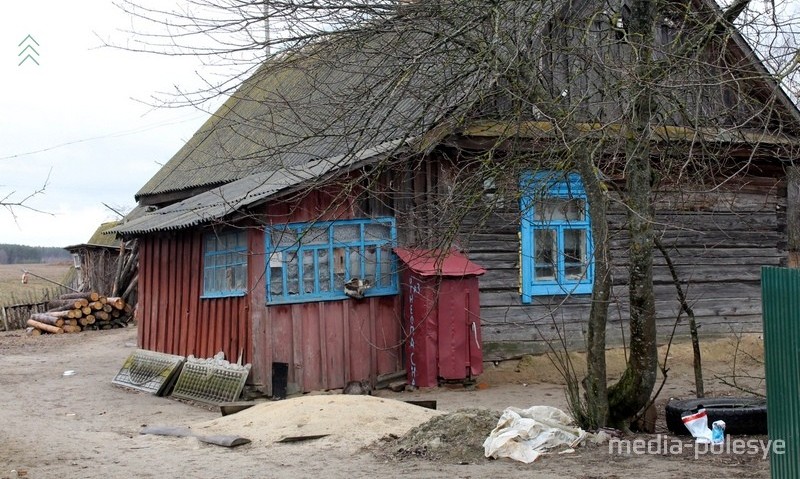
(780,293)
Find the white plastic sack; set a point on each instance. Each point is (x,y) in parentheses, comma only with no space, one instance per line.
(524,434)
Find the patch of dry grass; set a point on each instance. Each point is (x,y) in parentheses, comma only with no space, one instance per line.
(13,291)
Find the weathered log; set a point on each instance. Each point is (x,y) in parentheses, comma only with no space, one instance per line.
(92,296)
(84,321)
(47,319)
(86,310)
(71,329)
(67,303)
(102,315)
(55,309)
(90,319)
(116,313)
(96,305)
(69,322)
(45,327)
(59,314)
(77,313)
(108,308)
(31,331)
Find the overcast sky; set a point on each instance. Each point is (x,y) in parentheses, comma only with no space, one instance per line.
(78,116)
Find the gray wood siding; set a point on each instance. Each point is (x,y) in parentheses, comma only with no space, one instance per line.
(717,240)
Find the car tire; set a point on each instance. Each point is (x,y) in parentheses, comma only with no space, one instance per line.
(742,415)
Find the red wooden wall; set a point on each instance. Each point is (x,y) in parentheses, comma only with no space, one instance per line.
(325,344)
(172,316)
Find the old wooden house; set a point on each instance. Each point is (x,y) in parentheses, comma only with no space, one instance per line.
(327,159)
(95,261)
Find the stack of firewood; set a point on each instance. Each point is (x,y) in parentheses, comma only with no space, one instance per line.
(75,312)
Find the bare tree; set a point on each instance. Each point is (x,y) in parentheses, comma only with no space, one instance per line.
(636,96)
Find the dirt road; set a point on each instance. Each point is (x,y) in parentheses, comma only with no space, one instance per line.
(80,426)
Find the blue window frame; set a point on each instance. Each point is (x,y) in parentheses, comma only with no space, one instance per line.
(313,261)
(224,264)
(556,250)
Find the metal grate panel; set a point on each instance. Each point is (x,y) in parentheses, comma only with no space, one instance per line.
(148,371)
(210,380)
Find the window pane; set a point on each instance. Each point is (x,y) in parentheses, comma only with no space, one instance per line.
(575,254)
(211,244)
(377,232)
(355,263)
(292,272)
(208,278)
(386,262)
(338,269)
(545,250)
(558,209)
(308,271)
(314,235)
(349,234)
(276,280)
(324,270)
(283,237)
(240,277)
(370,263)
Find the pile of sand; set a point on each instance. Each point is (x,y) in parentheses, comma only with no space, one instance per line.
(352,421)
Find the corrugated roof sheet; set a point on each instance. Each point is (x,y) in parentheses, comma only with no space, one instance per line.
(351,92)
(237,195)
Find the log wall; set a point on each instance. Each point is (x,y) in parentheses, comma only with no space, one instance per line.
(717,240)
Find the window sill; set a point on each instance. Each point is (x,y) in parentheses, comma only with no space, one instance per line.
(232,294)
(316,299)
(556,290)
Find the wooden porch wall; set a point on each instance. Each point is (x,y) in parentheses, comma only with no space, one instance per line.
(172,317)
(329,343)
(718,242)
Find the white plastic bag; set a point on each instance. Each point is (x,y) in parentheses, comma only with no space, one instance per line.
(697,424)
(524,434)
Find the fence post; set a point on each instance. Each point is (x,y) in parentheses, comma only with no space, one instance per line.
(5,320)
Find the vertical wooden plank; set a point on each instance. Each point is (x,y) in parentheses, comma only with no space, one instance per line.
(161,294)
(195,290)
(373,349)
(310,347)
(297,362)
(145,276)
(322,323)
(346,340)
(332,321)
(185,292)
(170,316)
(258,345)
(793,214)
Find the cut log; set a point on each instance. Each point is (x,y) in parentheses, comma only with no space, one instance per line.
(47,319)
(96,305)
(45,327)
(71,329)
(83,321)
(116,302)
(116,313)
(102,315)
(60,314)
(108,308)
(88,296)
(69,322)
(86,310)
(90,319)
(31,331)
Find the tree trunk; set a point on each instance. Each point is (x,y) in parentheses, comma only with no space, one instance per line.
(632,392)
(595,384)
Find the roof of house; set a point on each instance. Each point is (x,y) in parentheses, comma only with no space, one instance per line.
(331,105)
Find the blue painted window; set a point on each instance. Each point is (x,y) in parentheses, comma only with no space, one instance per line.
(556,236)
(313,261)
(225,264)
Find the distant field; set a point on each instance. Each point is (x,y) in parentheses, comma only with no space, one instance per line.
(12,291)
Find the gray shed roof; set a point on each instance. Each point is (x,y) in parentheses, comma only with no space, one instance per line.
(346,93)
(240,194)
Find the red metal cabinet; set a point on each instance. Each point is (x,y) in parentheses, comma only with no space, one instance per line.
(441,316)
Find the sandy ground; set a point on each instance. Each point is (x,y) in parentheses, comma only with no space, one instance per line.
(81,426)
